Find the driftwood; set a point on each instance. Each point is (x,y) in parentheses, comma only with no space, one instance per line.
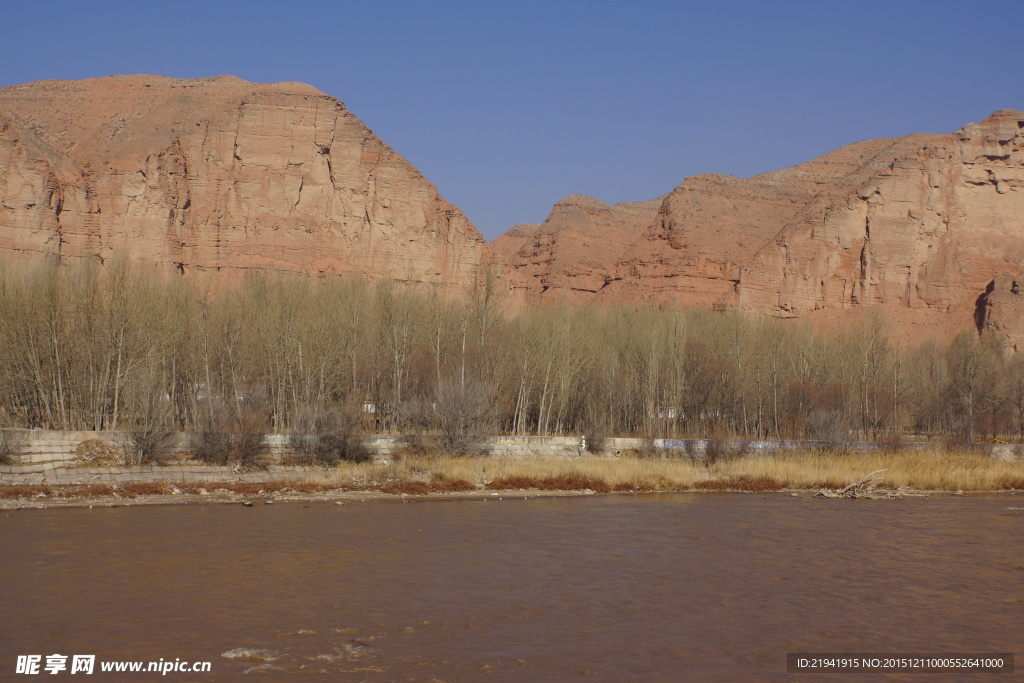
(863,488)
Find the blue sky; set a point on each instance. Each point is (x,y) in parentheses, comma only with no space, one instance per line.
(510,106)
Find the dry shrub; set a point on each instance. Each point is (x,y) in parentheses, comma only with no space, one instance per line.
(412,488)
(651,483)
(513,483)
(1010,483)
(757,484)
(562,482)
(828,427)
(249,446)
(628,487)
(309,487)
(597,443)
(30,491)
(149,439)
(328,437)
(596,432)
(11,443)
(464,415)
(84,491)
(143,488)
(253,489)
(721,450)
(453,486)
(234,431)
(150,445)
(418,420)
(99,453)
(574,482)
(211,446)
(648,449)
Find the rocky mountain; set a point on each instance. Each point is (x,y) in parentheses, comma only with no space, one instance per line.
(929,228)
(574,252)
(219,174)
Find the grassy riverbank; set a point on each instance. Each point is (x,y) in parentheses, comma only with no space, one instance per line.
(936,470)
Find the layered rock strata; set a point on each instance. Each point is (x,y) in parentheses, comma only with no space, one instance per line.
(219,174)
(919,226)
(929,229)
(573,253)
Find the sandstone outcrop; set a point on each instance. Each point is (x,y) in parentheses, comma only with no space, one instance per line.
(918,226)
(1001,310)
(929,229)
(687,246)
(573,253)
(219,174)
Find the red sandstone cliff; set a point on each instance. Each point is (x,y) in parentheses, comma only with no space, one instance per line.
(218,174)
(928,231)
(919,226)
(222,174)
(573,253)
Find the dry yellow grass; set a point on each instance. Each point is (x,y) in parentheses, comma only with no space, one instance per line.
(924,470)
(932,470)
(648,474)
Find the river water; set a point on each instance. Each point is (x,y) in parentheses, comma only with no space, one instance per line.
(617,588)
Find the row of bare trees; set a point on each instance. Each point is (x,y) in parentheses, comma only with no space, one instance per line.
(84,346)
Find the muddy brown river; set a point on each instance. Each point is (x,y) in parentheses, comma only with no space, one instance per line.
(612,588)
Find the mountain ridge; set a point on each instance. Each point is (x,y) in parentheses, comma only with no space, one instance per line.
(793,243)
(219,174)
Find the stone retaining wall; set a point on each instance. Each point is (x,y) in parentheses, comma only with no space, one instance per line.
(15,476)
(49,456)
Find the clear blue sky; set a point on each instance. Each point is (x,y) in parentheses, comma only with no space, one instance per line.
(510,106)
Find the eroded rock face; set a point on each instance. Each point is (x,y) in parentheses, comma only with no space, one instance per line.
(930,229)
(687,246)
(572,254)
(917,226)
(1000,310)
(219,174)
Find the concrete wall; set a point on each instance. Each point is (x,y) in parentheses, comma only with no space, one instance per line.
(57,448)
(49,456)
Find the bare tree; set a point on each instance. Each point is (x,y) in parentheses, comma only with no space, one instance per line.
(464,415)
(12,441)
(235,432)
(150,438)
(971,364)
(328,436)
